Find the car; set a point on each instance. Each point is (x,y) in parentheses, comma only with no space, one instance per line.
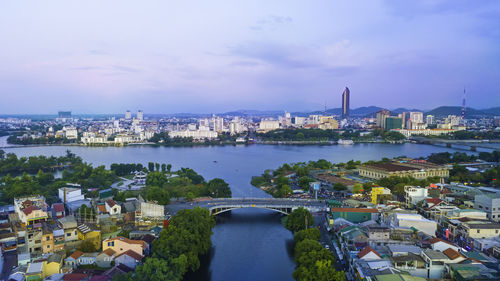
(327,247)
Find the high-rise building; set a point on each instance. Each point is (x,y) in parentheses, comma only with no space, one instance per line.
(345,102)
(381,115)
(140,115)
(417,117)
(128,115)
(429,119)
(64,114)
(393,123)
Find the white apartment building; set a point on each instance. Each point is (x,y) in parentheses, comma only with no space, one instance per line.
(414,194)
(70,132)
(72,194)
(195,134)
(269,125)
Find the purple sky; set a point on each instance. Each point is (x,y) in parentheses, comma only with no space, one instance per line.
(215,56)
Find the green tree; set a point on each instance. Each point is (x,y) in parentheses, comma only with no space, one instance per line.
(169,167)
(156,179)
(299,219)
(163,168)
(157,167)
(339,186)
(285,190)
(151,166)
(190,196)
(218,188)
(357,188)
(304,182)
(310,233)
(159,194)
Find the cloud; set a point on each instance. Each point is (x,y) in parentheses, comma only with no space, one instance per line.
(271,22)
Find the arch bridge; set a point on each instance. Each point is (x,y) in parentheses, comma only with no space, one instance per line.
(281,205)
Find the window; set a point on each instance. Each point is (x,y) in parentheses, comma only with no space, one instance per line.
(48,246)
(48,238)
(111,244)
(68,234)
(478,230)
(496,231)
(75,232)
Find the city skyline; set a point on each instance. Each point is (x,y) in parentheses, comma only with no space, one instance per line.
(254,55)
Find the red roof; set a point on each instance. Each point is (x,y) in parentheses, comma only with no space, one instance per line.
(452,254)
(131,254)
(354,210)
(30,209)
(433,201)
(111,203)
(58,207)
(367,250)
(436,240)
(76,254)
(74,276)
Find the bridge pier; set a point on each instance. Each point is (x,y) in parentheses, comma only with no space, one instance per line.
(473,148)
(448,145)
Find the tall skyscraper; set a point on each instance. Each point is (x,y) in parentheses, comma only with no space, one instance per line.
(128,115)
(381,116)
(345,102)
(140,115)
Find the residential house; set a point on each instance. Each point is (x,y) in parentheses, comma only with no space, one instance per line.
(87,259)
(34,271)
(58,236)
(369,254)
(47,239)
(129,258)
(31,210)
(72,259)
(53,264)
(122,244)
(490,203)
(69,225)
(414,221)
(58,209)
(441,245)
(105,258)
(414,195)
(411,263)
(89,233)
(435,263)
(112,207)
(453,256)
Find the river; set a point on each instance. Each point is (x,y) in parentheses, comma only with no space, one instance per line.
(248,244)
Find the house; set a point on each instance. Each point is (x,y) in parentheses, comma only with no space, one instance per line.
(369,254)
(70,194)
(87,259)
(454,256)
(31,210)
(122,244)
(355,215)
(414,221)
(34,271)
(435,263)
(411,263)
(58,235)
(441,245)
(112,207)
(72,259)
(473,272)
(53,264)
(402,250)
(88,233)
(69,225)
(105,258)
(129,258)
(101,209)
(76,277)
(47,239)
(58,209)
(118,270)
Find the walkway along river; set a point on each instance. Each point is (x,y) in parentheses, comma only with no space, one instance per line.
(248,244)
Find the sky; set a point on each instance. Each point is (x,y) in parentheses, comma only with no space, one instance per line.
(95,56)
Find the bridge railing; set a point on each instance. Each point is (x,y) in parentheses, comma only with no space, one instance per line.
(268,199)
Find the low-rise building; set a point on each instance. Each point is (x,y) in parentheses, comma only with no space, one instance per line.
(122,244)
(415,170)
(489,203)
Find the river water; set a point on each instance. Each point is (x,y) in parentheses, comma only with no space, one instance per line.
(248,244)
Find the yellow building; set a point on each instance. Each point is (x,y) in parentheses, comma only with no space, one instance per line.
(88,234)
(53,264)
(328,123)
(376,191)
(47,240)
(122,244)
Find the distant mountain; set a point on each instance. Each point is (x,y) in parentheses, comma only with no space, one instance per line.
(492,111)
(455,110)
(242,112)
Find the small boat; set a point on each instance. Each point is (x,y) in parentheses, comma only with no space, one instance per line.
(215,161)
(346,142)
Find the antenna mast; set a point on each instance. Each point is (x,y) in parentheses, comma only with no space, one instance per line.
(463,106)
